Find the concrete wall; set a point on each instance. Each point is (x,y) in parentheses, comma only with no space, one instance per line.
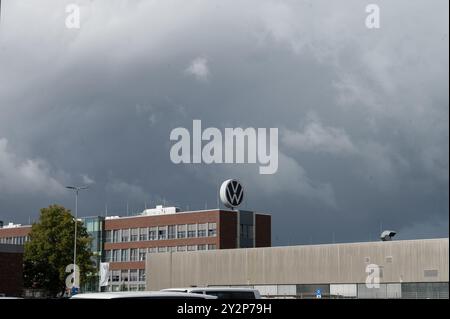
(400,261)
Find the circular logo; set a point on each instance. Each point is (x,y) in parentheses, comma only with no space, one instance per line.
(231,193)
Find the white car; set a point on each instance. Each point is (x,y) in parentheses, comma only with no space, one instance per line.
(220,292)
(141,295)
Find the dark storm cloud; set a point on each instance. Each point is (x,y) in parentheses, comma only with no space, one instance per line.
(362,114)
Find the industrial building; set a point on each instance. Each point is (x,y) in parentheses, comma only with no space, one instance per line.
(385,269)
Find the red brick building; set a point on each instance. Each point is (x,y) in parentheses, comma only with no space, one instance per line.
(124,242)
(128,239)
(11,274)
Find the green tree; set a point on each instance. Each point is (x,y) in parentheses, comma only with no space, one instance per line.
(50,250)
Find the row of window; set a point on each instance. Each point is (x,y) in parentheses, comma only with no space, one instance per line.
(127,275)
(14,240)
(161,232)
(138,254)
(126,287)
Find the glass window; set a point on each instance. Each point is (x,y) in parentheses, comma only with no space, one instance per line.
(152,233)
(181,248)
(142,253)
(250,231)
(134,234)
(162,232)
(192,230)
(141,274)
(152,250)
(116,236)
(133,254)
(108,236)
(124,275)
(133,287)
(181,231)
(125,235)
(108,255)
(115,276)
(171,233)
(162,249)
(172,248)
(191,247)
(212,229)
(116,255)
(143,234)
(212,247)
(125,255)
(202,230)
(133,275)
(141,287)
(201,247)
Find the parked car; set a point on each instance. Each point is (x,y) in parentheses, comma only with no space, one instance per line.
(141,295)
(220,292)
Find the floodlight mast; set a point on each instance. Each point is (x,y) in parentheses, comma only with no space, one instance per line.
(76,189)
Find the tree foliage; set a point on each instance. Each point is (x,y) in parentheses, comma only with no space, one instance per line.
(50,250)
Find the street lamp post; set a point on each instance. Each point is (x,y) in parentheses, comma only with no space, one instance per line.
(77,190)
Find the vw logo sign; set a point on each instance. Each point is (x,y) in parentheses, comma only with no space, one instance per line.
(231,193)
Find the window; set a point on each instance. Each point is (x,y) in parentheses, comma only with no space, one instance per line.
(251,231)
(115,276)
(108,236)
(202,229)
(192,230)
(162,249)
(125,235)
(201,247)
(181,248)
(133,254)
(125,255)
(141,274)
(134,234)
(142,253)
(133,287)
(171,233)
(116,255)
(143,234)
(212,229)
(116,236)
(246,231)
(191,247)
(181,231)
(152,250)
(125,275)
(133,275)
(152,232)
(141,287)
(108,255)
(211,247)
(162,232)
(172,248)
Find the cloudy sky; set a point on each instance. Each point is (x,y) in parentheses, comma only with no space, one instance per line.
(362,113)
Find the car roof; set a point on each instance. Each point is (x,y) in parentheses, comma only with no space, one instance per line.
(138,294)
(206,289)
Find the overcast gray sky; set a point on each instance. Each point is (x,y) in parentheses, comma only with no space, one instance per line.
(362,113)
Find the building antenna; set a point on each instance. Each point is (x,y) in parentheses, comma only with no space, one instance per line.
(106,210)
(127,209)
